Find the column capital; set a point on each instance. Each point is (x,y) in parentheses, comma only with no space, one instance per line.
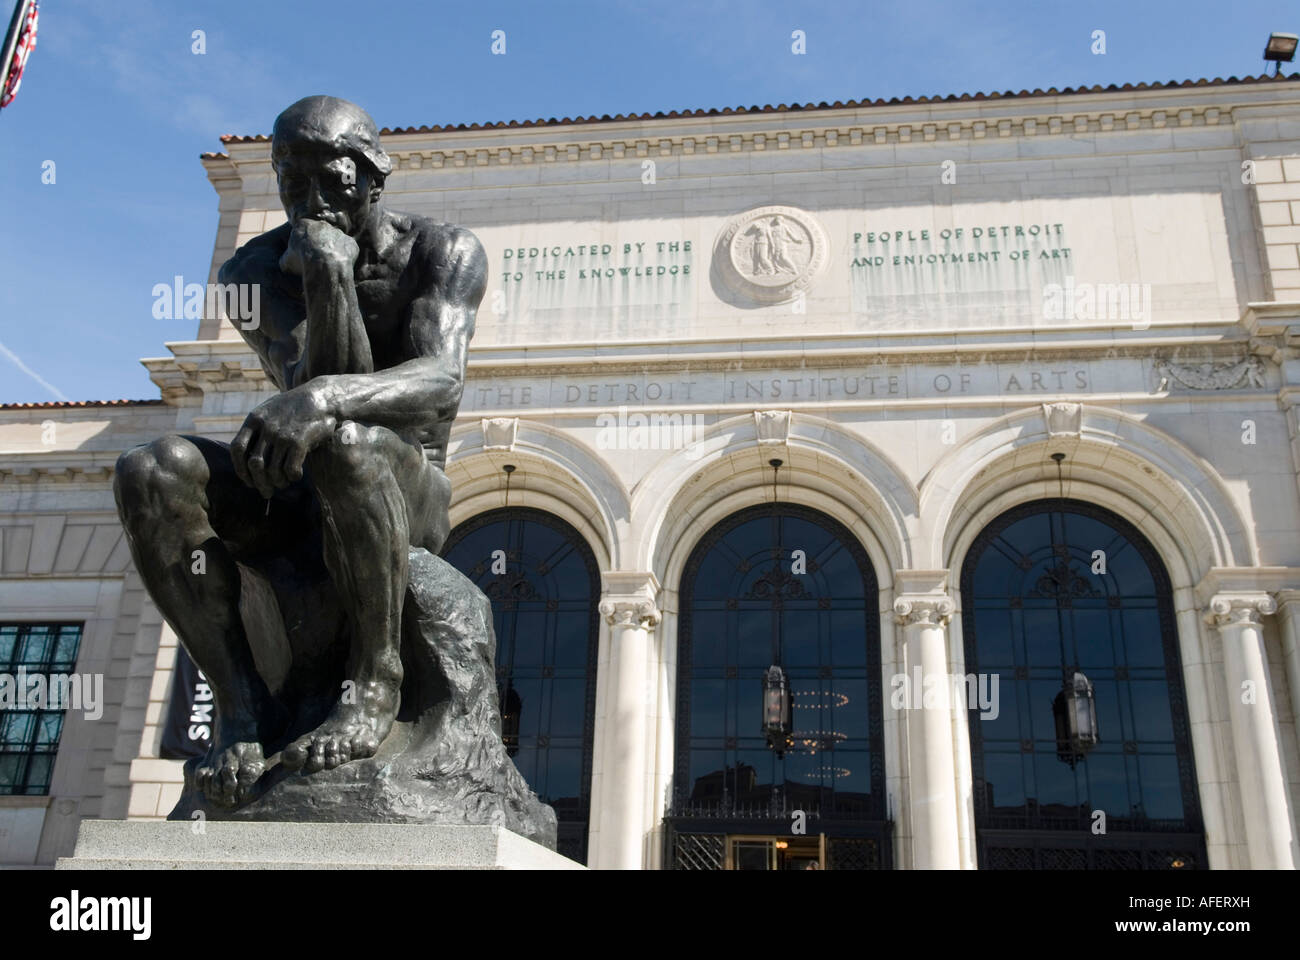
(1239,609)
(628,598)
(630,611)
(934,609)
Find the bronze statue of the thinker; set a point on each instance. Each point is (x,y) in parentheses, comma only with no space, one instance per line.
(328,630)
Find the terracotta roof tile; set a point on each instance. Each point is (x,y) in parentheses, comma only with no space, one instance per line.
(837,105)
(66,404)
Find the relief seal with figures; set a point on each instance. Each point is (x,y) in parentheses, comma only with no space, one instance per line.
(770,254)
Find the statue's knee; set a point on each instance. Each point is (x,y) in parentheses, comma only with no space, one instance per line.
(352,452)
(164,465)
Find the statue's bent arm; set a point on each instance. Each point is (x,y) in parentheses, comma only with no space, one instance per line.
(278,338)
(436,330)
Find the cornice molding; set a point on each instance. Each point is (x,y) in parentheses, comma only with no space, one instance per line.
(763,132)
(230,364)
(939,121)
(198,366)
(61,467)
(1245,581)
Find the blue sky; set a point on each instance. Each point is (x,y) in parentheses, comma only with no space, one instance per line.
(115,97)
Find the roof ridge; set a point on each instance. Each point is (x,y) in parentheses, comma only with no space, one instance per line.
(63,404)
(822,105)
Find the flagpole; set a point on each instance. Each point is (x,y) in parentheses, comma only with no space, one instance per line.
(11,41)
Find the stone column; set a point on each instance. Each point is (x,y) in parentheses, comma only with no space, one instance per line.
(1289,617)
(1256,744)
(628,606)
(931,770)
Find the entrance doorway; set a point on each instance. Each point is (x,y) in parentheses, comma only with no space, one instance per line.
(776,853)
(778,588)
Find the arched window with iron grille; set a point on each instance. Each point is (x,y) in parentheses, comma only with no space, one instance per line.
(779,585)
(544,584)
(1070,607)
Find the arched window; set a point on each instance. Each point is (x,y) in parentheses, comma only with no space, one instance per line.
(1065,602)
(544,585)
(787,586)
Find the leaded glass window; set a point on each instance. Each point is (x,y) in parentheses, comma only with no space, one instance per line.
(1051,589)
(787,585)
(544,585)
(30,728)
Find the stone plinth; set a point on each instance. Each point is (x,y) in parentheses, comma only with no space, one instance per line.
(166,845)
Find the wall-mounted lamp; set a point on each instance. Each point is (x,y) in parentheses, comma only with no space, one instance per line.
(509,468)
(1060,482)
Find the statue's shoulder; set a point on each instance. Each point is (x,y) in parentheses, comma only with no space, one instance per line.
(256,260)
(443,244)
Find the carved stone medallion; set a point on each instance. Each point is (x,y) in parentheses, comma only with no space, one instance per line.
(771,254)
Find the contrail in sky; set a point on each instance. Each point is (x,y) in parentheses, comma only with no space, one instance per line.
(31,373)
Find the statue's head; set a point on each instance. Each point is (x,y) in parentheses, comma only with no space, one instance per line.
(328,161)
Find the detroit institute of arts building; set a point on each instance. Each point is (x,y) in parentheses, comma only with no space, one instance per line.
(888,485)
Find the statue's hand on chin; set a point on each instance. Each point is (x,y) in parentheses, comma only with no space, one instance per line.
(315,241)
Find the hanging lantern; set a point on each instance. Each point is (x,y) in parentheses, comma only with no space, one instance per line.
(776,710)
(1075,711)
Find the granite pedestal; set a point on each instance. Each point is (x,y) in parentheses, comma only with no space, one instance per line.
(169,845)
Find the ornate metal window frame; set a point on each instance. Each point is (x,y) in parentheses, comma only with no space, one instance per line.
(689,828)
(1035,842)
(33,734)
(573,833)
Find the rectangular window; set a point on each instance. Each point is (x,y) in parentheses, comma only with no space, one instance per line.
(31,656)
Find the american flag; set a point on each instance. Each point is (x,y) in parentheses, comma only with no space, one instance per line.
(22,50)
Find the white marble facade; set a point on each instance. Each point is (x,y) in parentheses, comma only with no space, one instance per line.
(1109,275)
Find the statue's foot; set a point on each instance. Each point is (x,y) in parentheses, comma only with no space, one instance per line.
(228,774)
(353,731)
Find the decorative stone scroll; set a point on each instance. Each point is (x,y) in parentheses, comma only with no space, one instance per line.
(1239,609)
(935,610)
(630,611)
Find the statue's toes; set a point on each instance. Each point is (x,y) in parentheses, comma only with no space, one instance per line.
(294,756)
(364,745)
(228,777)
(316,755)
(246,780)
